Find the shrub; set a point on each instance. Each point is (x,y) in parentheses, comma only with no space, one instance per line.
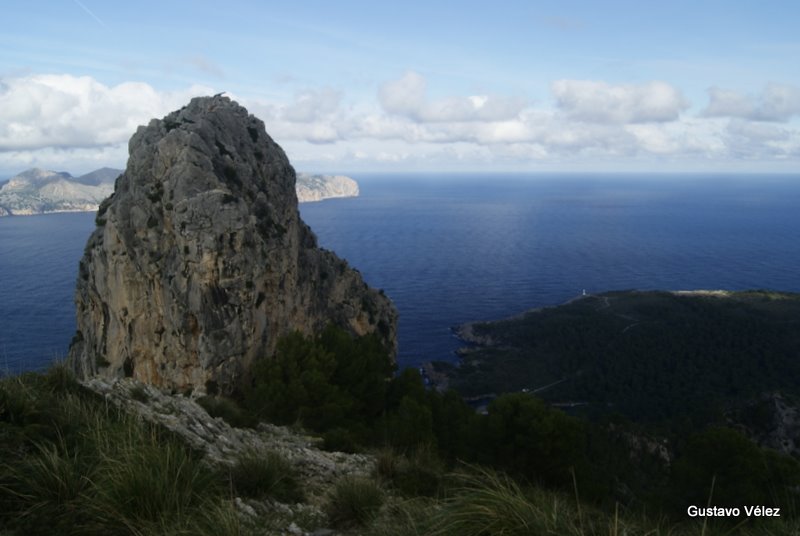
(228,410)
(339,440)
(527,438)
(268,474)
(387,464)
(740,472)
(325,382)
(419,474)
(354,501)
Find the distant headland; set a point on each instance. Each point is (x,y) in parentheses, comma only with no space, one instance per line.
(652,356)
(40,191)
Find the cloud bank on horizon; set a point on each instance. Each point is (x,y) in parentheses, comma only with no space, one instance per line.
(411,113)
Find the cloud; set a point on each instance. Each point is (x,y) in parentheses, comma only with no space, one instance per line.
(312,105)
(599,102)
(777,102)
(748,140)
(64,111)
(407,97)
(315,116)
(72,123)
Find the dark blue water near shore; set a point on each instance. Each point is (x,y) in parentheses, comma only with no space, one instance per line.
(453,248)
(38,267)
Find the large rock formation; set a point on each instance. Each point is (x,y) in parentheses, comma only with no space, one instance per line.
(200,261)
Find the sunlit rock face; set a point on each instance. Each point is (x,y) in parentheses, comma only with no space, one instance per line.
(200,260)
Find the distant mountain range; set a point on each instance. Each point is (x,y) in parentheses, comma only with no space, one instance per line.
(40,191)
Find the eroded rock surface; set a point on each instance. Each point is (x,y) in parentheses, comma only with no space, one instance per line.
(200,261)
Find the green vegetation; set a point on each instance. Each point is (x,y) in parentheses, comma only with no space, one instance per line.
(654,357)
(228,410)
(354,501)
(422,434)
(72,465)
(725,465)
(419,474)
(259,475)
(331,381)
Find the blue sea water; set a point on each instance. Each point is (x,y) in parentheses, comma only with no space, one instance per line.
(453,248)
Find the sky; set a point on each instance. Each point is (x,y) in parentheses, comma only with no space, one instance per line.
(347,86)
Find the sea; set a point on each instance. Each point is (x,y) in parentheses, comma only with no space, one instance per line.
(454,248)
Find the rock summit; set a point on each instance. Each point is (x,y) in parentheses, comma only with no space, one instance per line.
(200,260)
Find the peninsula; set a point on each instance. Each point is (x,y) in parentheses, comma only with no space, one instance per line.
(650,356)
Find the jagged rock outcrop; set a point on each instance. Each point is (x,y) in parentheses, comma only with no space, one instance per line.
(200,261)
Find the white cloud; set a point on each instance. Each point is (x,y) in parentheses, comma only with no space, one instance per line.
(748,139)
(78,124)
(726,103)
(404,96)
(66,111)
(311,105)
(312,115)
(407,97)
(599,102)
(777,102)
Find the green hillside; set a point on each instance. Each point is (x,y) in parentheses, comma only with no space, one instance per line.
(650,356)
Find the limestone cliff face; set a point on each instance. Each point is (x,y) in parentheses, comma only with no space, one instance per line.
(200,261)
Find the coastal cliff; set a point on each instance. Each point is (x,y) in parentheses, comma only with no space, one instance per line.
(312,188)
(39,191)
(200,261)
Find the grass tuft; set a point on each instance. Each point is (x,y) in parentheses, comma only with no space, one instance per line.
(355,501)
(267,474)
(420,473)
(146,478)
(46,489)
